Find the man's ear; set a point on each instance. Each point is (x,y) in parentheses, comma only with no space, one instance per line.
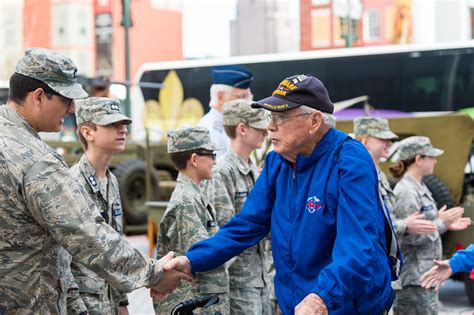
(316,121)
(241,128)
(37,97)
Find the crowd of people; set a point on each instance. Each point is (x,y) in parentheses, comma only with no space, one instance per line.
(317,229)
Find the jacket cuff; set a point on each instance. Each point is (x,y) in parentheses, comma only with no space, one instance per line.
(440,225)
(325,296)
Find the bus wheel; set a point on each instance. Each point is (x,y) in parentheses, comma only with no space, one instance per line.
(131,178)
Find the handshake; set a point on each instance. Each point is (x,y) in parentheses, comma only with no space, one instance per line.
(175,269)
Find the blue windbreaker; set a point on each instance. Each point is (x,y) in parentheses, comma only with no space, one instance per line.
(327,229)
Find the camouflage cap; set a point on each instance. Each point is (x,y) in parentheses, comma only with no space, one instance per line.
(373,126)
(239,111)
(186,139)
(413,146)
(55,70)
(100,111)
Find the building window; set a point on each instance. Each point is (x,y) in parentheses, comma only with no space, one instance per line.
(372,25)
(320,28)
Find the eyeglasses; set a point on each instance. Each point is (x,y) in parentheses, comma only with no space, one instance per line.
(280,120)
(211,154)
(65,100)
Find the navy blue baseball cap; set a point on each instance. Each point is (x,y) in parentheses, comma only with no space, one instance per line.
(236,76)
(296,91)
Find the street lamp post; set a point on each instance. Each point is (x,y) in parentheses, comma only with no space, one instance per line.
(127,23)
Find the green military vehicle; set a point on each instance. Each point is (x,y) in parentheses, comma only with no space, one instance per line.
(453,180)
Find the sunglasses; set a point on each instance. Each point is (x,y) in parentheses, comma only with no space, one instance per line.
(211,154)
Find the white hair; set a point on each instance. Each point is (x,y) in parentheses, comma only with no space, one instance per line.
(215,89)
(328,119)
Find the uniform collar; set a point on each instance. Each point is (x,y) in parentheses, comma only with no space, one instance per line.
(183,179)
(89,173)
(243,167)
(17,119)
(417,184)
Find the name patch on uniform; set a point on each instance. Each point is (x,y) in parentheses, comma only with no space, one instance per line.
(116,209)
(211,224)
(241,194)
(427,208)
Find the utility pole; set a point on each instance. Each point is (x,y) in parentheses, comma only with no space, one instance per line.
(127,23)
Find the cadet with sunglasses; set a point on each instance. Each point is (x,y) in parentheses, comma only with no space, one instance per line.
(43,207)
(190,217)
(318,197)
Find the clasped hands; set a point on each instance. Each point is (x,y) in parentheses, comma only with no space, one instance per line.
(176,269)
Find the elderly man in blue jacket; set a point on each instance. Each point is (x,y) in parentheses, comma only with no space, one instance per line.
(318,196)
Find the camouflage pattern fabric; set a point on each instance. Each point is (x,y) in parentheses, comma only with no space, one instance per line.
(97,294)
(55,70)
(389,200)
(43,207)
(239,111)
(233,179)
(415,300)
(373,126)
(413,146)
(418,250)
(190,218)
(100,111)
(74,303)
(187,139)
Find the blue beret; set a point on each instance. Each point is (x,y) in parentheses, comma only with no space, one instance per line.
(236,76)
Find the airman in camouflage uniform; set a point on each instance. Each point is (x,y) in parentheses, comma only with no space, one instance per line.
(190,218)
(43,207)
(234,177)
(418,250)
(97,294)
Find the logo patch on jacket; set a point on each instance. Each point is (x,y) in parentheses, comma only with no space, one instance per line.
(313,204)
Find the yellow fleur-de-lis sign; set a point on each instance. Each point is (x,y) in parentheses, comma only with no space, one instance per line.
(169,111)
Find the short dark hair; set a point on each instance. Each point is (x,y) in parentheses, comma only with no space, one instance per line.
(21,85)
(231,131)
(180,159)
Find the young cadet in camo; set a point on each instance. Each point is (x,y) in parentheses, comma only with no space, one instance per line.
(234,178)
(417,158)
(101,129)
(190,218)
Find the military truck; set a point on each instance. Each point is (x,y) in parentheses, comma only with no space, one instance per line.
(453,181)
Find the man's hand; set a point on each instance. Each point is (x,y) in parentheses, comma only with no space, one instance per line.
(460,224)
(180,263)
(171,279)
(451,215)
(312,304)
(436,275)
(417,225)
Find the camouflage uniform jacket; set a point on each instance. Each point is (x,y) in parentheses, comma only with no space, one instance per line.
(188,219)
(232,181)
(389,199)
(111,210)
(418,250)
(42,207)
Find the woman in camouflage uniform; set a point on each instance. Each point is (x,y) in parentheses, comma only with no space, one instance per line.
(417,158)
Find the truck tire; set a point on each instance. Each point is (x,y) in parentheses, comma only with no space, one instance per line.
(439,190)
(131,178)
(469,287)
